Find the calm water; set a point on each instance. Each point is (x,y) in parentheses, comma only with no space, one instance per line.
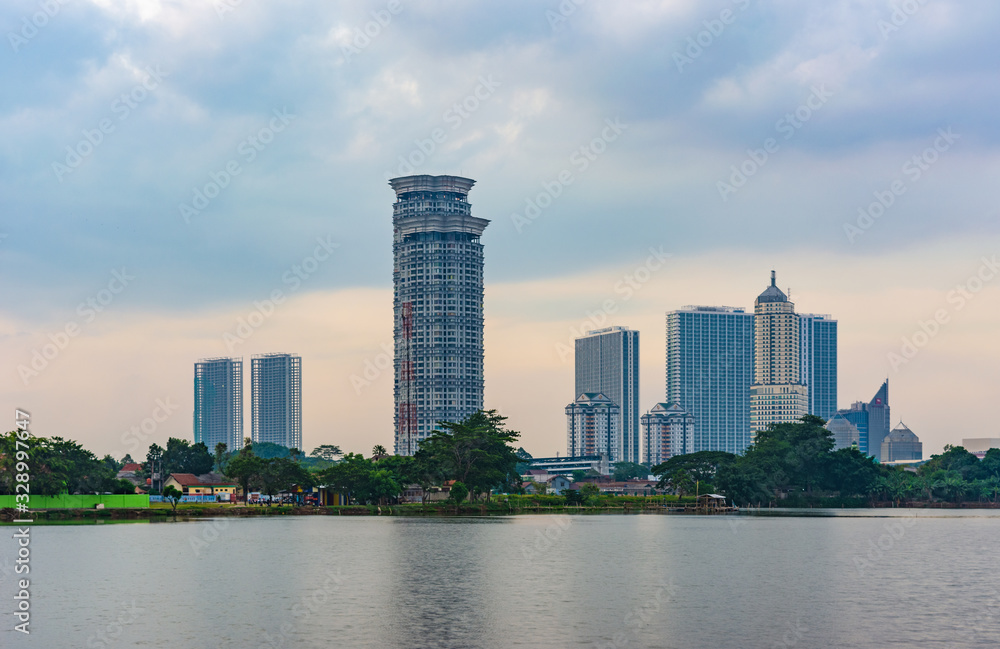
(527,581)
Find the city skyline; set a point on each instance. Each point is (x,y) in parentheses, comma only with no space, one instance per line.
(228,208)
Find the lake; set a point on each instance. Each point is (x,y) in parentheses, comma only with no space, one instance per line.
(842,578)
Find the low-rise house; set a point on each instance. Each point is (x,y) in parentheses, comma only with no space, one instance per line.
(190,485)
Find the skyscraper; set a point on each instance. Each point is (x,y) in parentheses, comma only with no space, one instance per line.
(818,352)
(709,369)
(218,402)
(870,419)
(778,394)
(592,427)
(667,430)
(276,399)
(607,361)
(437,305)
(878,420)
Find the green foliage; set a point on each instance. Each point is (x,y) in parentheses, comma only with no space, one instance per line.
(589,489)
(279,474)
(366,481)
(458,492)
(182,457)
(56,465)
(702,465)
(245,468)
(327,452)
(172,495)
(220,456)
(268,450)
(477,451)
(623,471)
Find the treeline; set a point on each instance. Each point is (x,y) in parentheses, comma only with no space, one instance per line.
(56,465)
(797,463)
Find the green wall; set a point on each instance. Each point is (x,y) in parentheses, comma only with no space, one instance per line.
(79,502)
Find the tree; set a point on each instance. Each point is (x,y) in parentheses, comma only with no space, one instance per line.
(245,467)
(220,455)
(573,497)
(681,482)
(458,492)
(702,466)
(328,452)
(378,450)
(476,451)
(623,471)
(173,496)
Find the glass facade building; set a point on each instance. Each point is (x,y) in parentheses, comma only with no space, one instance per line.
(607,361)
(276,399)
(709,371)
(818,348)
(437,306)
(218,402)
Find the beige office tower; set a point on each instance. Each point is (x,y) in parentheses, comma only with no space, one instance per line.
(778,394)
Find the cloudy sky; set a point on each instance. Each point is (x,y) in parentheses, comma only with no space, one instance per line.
(168,166)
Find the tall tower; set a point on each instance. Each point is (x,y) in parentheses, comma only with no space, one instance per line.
(778,394)
(818,351)
(437,305)
(709,370)
(276,399)
(592,427)
(218,402)
(607,361)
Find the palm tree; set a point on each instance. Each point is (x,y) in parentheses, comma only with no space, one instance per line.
(378,450)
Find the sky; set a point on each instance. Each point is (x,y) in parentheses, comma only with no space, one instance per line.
(171,169)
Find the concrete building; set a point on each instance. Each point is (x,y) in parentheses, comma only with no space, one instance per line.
(276,399)
(818,355)
(901,445)
(607,361)
(778,394)
(709,372)
(592,427)
(978,446)
(567,465)
(437,306)
(667,430)
(218,402)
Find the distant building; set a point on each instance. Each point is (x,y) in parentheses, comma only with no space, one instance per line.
(901,445)
(592,427)
(276,399)
(818,354)
(709,371)
(567,465)
(778,394)
(607,361)
(870,419)
(978,446)
(191,485)
(218,402)
(437,305)
(845,432)
(667,430)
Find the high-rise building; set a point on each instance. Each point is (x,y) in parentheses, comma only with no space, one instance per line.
(592,427)
(607,361)
(218,402)
(709,370)
(818,353)
(870,419)
(667,430)
(437,306)
(778,394)
(901,445)
(276,399)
